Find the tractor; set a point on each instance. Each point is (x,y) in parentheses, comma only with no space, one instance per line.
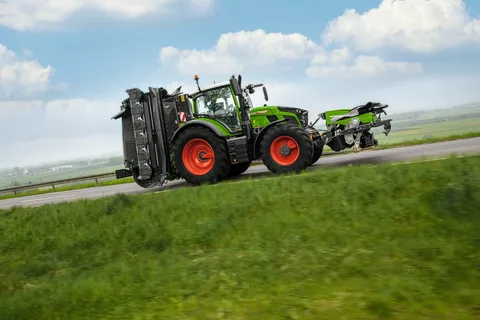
(211,134)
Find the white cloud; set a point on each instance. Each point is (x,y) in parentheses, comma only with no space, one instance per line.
(57,130)
(19,77)
(344,63)
(37,14)
(234,52)
(416,25)
(237,52)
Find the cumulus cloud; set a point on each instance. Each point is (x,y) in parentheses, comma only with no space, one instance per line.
(234,52)
(37,14)
(344,63)
(417,25)
(20,77)
(251,50)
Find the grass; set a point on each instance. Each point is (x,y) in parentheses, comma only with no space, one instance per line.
(387,242)
(401,133)
(421,141)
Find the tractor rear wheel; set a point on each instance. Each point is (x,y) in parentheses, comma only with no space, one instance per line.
(239,168)
(317,153)
(286,148)
(201,156)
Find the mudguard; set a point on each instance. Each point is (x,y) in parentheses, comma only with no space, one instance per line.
(196,122)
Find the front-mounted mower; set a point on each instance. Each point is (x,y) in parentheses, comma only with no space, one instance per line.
(211,134)
(350,128)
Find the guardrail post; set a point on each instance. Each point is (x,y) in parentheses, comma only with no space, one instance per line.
(96,181)
(53,186)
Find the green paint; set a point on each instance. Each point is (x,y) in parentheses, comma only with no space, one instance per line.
(364,118)
(259,115)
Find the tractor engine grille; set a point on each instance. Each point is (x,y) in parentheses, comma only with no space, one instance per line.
(302,114)
(303,117)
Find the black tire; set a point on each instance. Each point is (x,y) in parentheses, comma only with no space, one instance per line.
(221,164)
(317,153)
(239,168)
(302,139)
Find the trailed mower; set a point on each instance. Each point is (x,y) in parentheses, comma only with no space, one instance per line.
(216,132)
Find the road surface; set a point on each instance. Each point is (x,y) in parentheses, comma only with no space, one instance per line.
(441,149)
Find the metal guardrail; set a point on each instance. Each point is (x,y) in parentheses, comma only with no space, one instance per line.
(95,177)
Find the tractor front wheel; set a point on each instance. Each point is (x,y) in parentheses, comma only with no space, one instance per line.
(286,148)
(201,156)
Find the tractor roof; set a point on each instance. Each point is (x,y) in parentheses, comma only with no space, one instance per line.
(212,86)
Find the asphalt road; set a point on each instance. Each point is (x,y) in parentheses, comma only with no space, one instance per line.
(412,153)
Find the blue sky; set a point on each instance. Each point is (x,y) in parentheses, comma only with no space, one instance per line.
(65,65)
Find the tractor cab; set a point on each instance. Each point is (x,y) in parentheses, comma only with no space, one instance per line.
(218,103)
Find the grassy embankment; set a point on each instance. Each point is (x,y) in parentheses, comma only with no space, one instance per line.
(328,152)
(390,242)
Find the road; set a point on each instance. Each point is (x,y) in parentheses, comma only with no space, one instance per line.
(441,149)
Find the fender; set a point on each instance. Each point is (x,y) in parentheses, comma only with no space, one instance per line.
(196,122)
(259,137)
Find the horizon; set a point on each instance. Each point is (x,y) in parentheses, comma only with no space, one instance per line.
(119,153)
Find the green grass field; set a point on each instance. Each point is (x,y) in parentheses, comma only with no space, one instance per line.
(387,242)
(428,131)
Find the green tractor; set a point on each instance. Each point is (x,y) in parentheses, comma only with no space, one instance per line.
(211,134)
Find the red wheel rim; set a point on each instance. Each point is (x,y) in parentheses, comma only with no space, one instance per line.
(198,157)
(290,150)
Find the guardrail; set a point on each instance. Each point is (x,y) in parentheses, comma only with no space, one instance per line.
(95,177)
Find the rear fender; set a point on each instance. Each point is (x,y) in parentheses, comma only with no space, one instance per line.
(189,124)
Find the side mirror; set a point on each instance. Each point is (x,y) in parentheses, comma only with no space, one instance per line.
(265,94)
(240,80)
(251,90)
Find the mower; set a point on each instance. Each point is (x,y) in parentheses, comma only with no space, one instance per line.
(350,128)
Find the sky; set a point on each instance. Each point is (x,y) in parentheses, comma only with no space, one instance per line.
(65,64)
